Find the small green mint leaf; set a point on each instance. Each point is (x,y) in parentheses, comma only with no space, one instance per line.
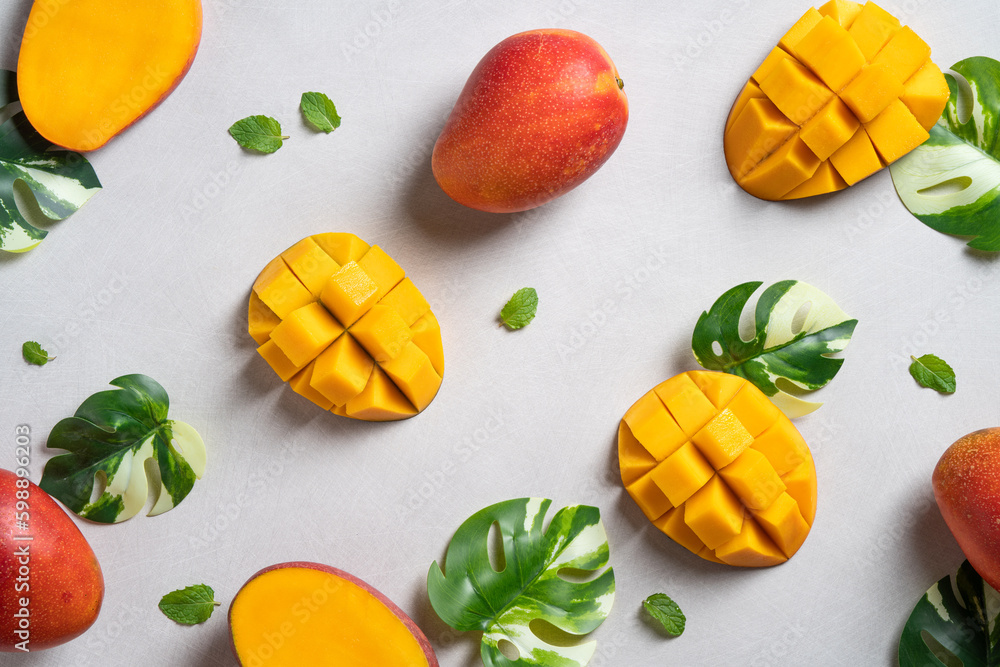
(320,111)
(34,354)
(520,310)
(258,133)
(666,611)
(933,373)
(189,606)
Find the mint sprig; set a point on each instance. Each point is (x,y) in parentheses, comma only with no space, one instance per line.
(933,373)
(189,606)
(34,354)
(520,309)
(320,111)
(666,611)
(258,133)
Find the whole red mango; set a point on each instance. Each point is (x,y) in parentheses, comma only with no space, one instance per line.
(51,586)
(966,484)
(540,113)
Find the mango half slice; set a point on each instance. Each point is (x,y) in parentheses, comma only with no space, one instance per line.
(847,91)
(718,468)
(342,324)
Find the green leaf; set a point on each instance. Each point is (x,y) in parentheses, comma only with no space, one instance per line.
(934,373)
(120,436)
(520,309)
(945,626)
(951,183)
(34,354)
(60,181)
(528,587)
(781,349)
(666,611)
(319,110)
(258,133)
(189,606)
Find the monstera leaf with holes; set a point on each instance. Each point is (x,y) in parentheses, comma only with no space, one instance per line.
(946,629)
(951,183)
(781,349)
(509,605)
(61,181)
(119,437)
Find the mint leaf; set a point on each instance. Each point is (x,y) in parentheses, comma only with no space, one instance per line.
(666,611)
(934,373)
(34,354)
(189,606)
(320,111)
(258,133)
(520,310)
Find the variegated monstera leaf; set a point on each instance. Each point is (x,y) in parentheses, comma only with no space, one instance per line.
(948,629)
(61,181)
(951,182)
(785,346)
(120,437)
(529,583)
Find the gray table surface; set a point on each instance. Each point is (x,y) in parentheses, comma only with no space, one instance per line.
(153,274)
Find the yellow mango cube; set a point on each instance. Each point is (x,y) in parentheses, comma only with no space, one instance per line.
(719,388)
(842,11)
(687,405)
(306,332)
(653,427)
(349,293)
(427,336)
(757,132)
(874,89)
(824,181)
(382,269)
(783,446)
(380,400)
(926,94)
(797,92)
(895,132)
(751,548)
(279,289)
(783,523)
(341,247)
(342,370)
(800,29)
(776,55)
(800,484)
(672,523)
(310,264)
(633,459)
(829,51)
(382,332)
(261,319)
(787,168)
(652,501)
(829,129)
(872,29)
(904,54)
(414,374)
(722,439)
(301,384)
(681,474)
(406,300)
(277,360)
(857,159)
(753,479)
(714,513)
(753,410)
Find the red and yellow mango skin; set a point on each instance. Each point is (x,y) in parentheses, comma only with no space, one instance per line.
(540,113)
(966,485)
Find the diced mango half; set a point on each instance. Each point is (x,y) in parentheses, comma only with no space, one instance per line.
(341,323)
(825,108)
(718,468)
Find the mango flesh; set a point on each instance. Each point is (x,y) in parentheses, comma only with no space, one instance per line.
(297,614)
(55,572)
(718,468)
(540,113)
(87,69)
(846,92)
(341,323)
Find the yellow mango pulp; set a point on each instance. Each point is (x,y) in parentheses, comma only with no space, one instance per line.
(323,619)
(338,320)
(847,91)
(718,468)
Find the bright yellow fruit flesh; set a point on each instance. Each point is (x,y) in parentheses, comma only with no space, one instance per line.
(339,321)
(847,91)
(717,467)
(296,616)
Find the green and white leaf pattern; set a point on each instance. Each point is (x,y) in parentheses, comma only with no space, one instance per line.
(945,626)
(951,183)
(112,436)
(473,596)
(780,349)
(61,181)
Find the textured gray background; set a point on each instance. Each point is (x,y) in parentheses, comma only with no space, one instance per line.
(152,276)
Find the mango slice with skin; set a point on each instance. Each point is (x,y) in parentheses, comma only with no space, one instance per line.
(718,468)
(341,323)
(847,91)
